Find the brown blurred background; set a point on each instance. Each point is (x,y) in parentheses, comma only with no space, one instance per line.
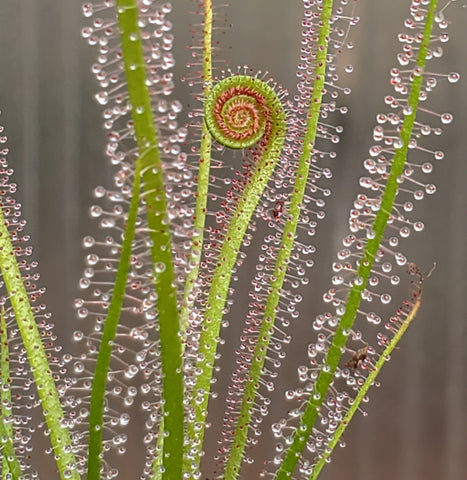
(417,423)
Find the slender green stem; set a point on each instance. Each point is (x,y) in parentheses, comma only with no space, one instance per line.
(10,463)
(157,467)
(108,335)
(48,395)
(203,185)
(369,381)
(334,354)
(227,259)
(149,172)
(159,232)
(203,176)
(5,385)
(237,448)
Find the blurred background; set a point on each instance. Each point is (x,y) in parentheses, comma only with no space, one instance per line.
(417,422)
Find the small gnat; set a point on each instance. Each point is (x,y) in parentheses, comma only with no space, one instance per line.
(358,358)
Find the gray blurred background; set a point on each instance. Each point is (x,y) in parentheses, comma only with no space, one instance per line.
(416,428)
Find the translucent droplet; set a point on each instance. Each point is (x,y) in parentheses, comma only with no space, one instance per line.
(83,313)
(95,211)
(124,419)
(373,318)
(102,97)
(130,371)
(407,110)
(159,267)
(289,394)
(88,241)
(78,367)
(176,106)
(418,194)
(404,232)
(87,9)
(86,32)
(453,77)
(418,226)
(427,167)
(446,118)
(385,298)
(78,336)
(92,259)
(99,191)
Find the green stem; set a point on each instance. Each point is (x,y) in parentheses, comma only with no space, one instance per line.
(5,385)
(369,381)
(48,395)
(96,415)
(10,463)
(203,176)
(203,185)
(159,232)
(226,262)
(237,449)
(149,172)
(323,382)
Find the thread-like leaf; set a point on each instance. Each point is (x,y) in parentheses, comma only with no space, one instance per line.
(50,401)
(287,243)
(232,241)
(148,171)
(309,416)
(110,328)
(11,469)
(369,381)
(203,175)
(9,462)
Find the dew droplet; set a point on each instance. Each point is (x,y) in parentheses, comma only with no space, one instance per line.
(78,336)
(446,118)
(88,241)
(102,97)
(87,9)
(78,367)
(159,267)
(427,167)
(385,298)
(130,371)
(404,232)
(83,313)
(453,77)
(95,211)
(418,226)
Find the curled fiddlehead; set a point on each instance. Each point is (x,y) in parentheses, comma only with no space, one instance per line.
(240,112)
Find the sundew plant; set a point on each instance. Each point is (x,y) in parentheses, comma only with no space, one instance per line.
(246,179)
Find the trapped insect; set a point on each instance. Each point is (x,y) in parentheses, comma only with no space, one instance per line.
(358,358)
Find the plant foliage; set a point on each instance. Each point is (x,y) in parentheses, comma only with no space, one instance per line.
(175,228)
